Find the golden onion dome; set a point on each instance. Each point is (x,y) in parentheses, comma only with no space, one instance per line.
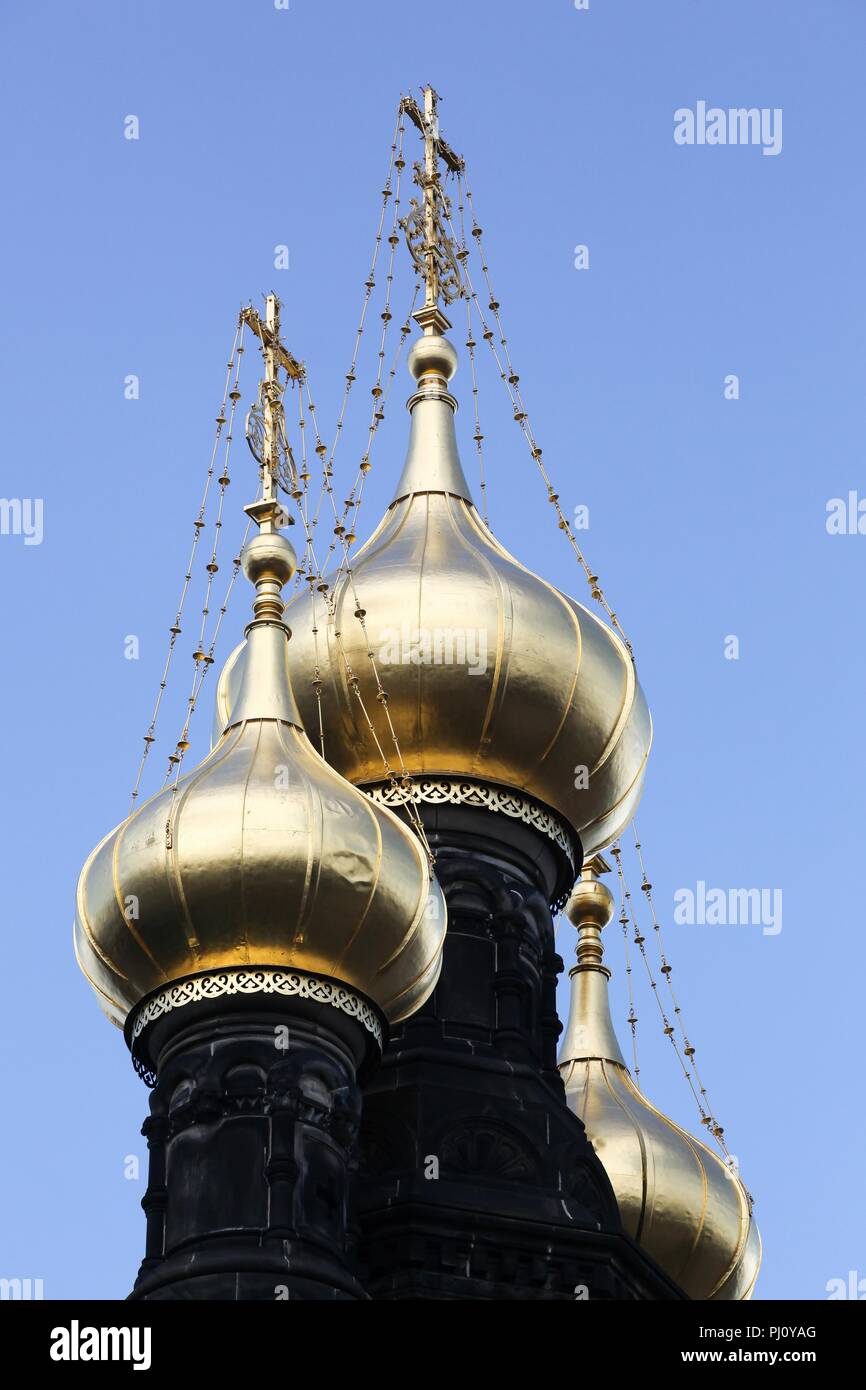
(677,1199)
(263,855)
(492,675)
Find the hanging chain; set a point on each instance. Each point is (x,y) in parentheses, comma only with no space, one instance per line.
(202,670)
(198,526)
(400,781)
(204,659)
(462,257)
(327,456)
(632,1016)
(312,566)
(511,381)
(304,510)
(344,531)
(706,1116)
(667,970)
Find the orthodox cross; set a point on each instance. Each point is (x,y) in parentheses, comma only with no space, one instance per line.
(266,425)
(431,248)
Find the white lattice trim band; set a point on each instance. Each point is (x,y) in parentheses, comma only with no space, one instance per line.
(289,983)
(460,792)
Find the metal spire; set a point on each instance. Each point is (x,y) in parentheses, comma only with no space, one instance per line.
(433,461)
(590,1032)
(269,560)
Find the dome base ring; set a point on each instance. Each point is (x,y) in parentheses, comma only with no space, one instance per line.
(262,984)
(486,796)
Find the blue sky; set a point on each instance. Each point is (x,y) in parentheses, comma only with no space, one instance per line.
(261,127)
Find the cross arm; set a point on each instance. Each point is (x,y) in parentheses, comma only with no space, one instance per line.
(443,149)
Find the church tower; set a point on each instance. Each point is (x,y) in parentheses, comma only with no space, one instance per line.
(340,973)
(255,928)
